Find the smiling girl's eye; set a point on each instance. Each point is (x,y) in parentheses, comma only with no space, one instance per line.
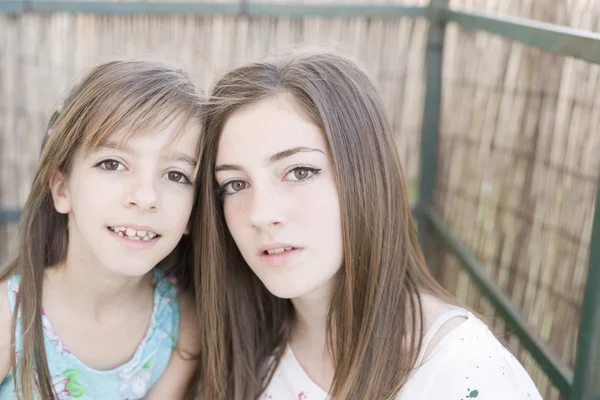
(177,177)
(110,165)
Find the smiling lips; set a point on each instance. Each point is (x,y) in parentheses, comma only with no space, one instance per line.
(133,234)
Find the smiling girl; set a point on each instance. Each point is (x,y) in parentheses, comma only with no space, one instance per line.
(95,304)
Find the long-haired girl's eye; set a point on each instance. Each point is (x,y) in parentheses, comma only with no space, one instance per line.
(232,187)
(178,177)
(301,173)
(110,165)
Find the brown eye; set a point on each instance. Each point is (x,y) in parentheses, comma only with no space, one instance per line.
(236,186)
(301,174)
(178,177)
(233,187)
(110,165)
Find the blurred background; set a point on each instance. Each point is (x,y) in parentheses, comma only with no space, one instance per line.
(518,151)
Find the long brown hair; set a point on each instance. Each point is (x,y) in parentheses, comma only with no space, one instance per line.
(133,94)
(375,316)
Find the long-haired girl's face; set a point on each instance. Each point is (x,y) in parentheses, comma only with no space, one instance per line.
(129,202)
(280,198)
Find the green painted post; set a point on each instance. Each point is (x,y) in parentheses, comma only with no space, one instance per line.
(431,116)
(586,381)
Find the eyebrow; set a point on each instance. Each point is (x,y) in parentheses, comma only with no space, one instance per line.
(171,156)
(272,159)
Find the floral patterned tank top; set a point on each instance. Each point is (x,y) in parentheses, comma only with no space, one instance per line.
(72,379)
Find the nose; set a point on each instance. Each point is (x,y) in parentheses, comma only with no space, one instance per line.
(143,192)
(267,207)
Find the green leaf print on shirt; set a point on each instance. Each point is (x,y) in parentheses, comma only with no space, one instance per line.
(472,394)
(73,387)
(148,364)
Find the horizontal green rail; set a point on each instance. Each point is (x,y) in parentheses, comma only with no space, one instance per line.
(332,10)
(559,374)
(250,8)
(548,37)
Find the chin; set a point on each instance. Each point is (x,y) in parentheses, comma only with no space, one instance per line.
(286,291)
(132,270)
(284,295)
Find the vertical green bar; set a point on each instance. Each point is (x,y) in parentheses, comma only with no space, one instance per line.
(586,380)
(431,115)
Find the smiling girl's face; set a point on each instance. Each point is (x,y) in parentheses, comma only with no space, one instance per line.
(129,202)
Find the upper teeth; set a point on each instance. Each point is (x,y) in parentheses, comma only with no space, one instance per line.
(280,250)
(132,233)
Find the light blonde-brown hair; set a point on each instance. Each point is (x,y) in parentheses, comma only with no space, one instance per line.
(375,319)
(134,96)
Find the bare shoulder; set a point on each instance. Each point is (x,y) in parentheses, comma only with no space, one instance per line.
(177,378)
(434,308)
(5,330)
(5,311)
(188,325)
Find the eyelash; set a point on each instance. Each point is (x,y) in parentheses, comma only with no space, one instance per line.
(313,173)
(102,166)
(222,190)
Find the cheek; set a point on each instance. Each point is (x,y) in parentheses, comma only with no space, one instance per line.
(178,204)
(332,225)
(235,212)
(322,211)
(94,194)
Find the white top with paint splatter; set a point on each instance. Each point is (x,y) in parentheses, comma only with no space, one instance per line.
(469,363)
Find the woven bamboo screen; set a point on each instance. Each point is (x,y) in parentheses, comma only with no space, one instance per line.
(519,169)
(42,55)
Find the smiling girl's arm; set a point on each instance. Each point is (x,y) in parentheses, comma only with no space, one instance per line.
(174,382)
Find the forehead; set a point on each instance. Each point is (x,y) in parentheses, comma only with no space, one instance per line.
(173,134)
(266,127)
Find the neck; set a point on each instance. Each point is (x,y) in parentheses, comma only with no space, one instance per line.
(92,290)
(311,318)
(309,337)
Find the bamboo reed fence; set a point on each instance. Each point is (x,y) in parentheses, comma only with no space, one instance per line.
(42,55)
(518,172)
(518,164)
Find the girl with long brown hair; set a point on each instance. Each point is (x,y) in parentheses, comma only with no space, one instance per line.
(312,282)
(91,306)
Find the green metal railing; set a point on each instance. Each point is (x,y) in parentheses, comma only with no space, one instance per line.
(584,382)
(9,216)
(243,8)
(560,375)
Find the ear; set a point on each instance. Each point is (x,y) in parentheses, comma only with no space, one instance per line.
(60,193)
